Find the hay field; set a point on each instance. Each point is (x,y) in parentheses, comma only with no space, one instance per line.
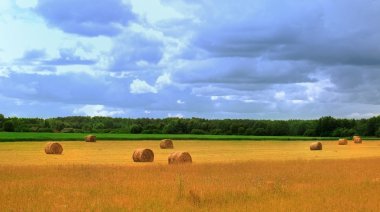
(120,152)
(224,176)
(315,185)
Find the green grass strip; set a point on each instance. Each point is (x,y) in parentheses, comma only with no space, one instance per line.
(27,136)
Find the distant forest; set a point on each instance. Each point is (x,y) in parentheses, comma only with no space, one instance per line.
(325,126)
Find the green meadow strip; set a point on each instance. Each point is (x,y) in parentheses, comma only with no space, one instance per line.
(27,136)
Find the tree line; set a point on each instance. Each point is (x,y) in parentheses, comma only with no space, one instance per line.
(324,126)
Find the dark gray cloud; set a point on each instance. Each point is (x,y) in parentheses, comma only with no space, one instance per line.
(320,32)
(309,52)
(86,17)
(245,71)
(355,84)
(133,50)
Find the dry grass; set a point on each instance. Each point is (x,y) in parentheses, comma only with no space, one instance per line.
(119,152)
(316,185)
(224,176)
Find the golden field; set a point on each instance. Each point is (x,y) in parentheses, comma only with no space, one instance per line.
(120,152)
(224,176)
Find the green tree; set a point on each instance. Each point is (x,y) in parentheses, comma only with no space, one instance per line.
(250,131)
(198,131)
(57,125)
(1,121)
(260,132)
(175,126)
(361,127)
(338,132)
(241,131)
(98,125)
(234,128)
(326,126)
(216,132)
(136,129)
(170,128)
(279,128)
(373,125)
(9,126)
(310,132)
(108,123)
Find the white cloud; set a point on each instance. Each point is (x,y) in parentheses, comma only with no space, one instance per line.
(314,90)
(29,70)
(249,101)
(180,102)
(298,101)
(140,87)
(230,98)
(178,115)
(154,11)
(361,115)
(279,95)
(26,3)
(4,72)
(226,97)
(97,110)
(163,80)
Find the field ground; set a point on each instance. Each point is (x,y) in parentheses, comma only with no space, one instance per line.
(30,136)
(120,152)
(225,176)
(314,185)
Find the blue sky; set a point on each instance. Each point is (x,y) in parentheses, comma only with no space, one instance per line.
(259,59)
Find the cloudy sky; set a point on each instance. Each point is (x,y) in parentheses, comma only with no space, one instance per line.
(260,59)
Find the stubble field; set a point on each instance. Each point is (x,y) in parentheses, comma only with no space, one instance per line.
(224,176)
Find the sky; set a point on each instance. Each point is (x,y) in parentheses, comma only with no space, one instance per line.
(214,59)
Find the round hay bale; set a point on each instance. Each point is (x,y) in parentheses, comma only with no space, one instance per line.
(143,155)
(53,148)
(90,138)
(166,144)
(316,146)
(179,158)
(357,139)
(342,141)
